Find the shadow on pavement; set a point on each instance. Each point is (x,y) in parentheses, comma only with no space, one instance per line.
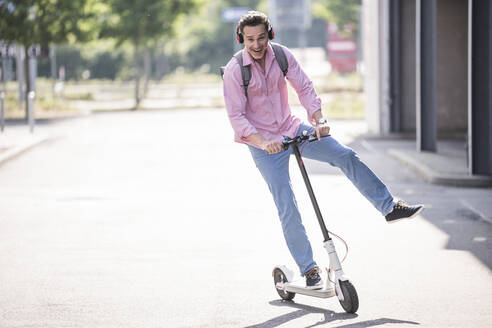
(465,233)
(376,322)
(302,311)
(329,316)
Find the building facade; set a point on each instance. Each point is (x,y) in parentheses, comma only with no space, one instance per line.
(428,73)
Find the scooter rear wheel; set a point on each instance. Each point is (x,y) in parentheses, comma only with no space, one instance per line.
(279,276)
(351,301)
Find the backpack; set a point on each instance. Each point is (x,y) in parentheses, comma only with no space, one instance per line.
(246,70)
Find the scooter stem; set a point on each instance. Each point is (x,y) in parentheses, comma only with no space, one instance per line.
(326,236)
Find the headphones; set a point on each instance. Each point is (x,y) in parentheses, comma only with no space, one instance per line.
(240,37)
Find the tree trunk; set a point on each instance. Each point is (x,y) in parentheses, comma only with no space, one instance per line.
(162,66)
(147,63)
(137,74)
(53,68)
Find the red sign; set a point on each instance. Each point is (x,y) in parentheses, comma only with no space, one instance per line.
(342,52)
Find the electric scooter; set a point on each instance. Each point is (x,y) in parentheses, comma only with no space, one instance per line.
(337,283)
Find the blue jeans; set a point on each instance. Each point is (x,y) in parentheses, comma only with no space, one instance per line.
(275,171)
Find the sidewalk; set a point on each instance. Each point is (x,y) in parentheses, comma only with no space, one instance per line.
(17,139)
(447,166)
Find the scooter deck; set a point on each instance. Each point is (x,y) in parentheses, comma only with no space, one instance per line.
(300,289)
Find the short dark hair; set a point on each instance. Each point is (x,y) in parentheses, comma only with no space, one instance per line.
(253,18)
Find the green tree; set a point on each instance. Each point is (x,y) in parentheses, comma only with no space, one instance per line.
(205,39)
(68,56)
(345,13)
(31,22)
(143,22)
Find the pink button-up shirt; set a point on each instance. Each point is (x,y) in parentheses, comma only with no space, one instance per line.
(266,109)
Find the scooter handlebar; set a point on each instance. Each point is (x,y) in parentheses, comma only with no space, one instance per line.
(310,137)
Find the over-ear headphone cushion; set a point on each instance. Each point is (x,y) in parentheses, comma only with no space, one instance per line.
(271,33)
(239,35)
(240,38)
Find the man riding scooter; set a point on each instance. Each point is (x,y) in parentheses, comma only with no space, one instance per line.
(261,117)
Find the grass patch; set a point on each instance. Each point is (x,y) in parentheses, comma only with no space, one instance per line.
(191,78)
(44,107)
(342,96)
(79,96)
(336,82)
(345,105)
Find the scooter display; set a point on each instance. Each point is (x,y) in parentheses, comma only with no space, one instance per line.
(337,283)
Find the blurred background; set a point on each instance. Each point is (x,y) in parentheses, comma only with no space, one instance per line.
(412,68)
(89,55)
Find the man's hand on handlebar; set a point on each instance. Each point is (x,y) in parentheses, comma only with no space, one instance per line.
(322,130)
(271,147)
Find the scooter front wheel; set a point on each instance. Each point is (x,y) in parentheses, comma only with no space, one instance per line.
(279,276)
(350,301)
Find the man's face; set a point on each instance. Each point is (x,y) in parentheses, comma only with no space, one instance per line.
(256,40)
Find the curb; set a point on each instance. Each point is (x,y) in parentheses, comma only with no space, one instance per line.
(16,151)
(432,176)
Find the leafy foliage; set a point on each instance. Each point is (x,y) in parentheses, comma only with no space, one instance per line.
(46,21)
(204,38)
(99,58)
(143,20)
(187,33)
(345,13)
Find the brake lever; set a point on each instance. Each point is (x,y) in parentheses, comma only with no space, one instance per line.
(313,137)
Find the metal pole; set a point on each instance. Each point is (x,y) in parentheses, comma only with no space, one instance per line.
(311,193)
(480,87)
(426,75)
(30,110)
(33,70)
(395,62)
(4,72)
(53,67)
(2,95)
(469,145)
(2,111)
(20,74)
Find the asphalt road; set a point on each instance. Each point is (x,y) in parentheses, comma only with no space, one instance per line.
(157,219)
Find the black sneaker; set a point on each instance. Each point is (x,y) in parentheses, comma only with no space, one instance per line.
(403,211)
(313,279)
